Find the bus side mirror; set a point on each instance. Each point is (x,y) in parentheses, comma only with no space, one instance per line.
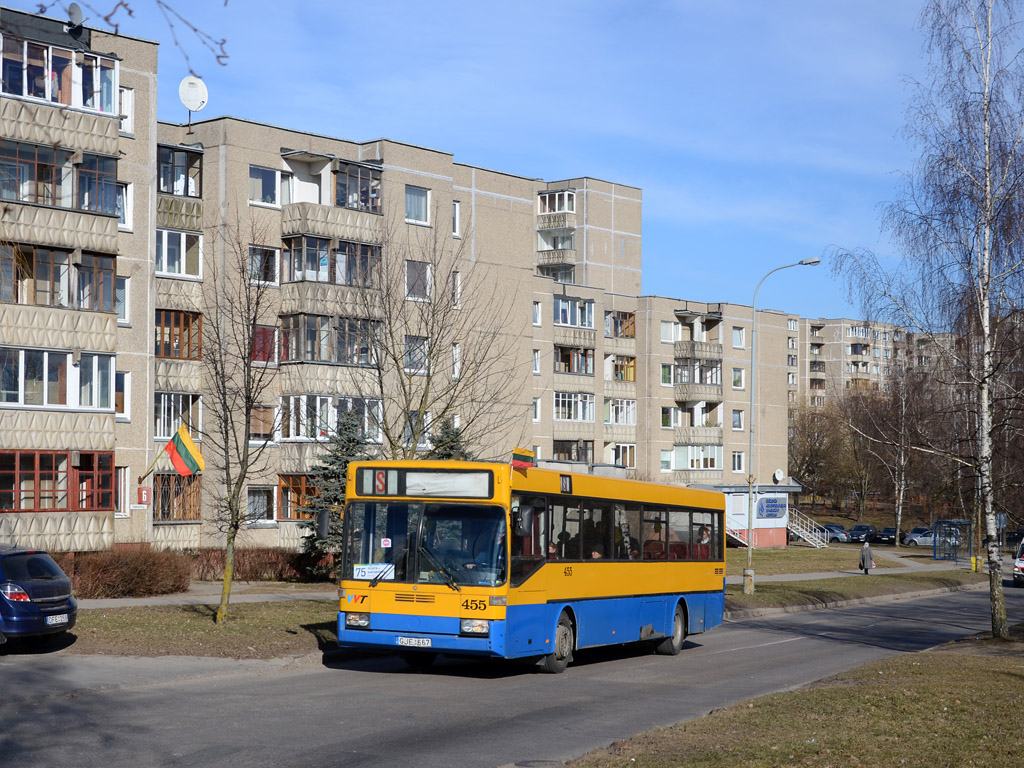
(323,523)
(524,520)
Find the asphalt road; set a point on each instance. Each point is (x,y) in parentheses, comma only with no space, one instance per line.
(60,709)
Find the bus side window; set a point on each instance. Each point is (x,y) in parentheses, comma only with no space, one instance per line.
(565,531)
(596,530)
(655,530)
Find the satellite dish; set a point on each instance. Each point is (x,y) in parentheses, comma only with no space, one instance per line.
(74,15)
(778,476)
(193,93)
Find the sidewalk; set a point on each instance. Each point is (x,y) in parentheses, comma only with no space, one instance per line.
(208,592)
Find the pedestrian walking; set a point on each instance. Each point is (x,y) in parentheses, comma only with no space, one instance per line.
(866,561)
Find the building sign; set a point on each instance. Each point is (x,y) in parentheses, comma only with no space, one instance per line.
(772,507)
(145,497)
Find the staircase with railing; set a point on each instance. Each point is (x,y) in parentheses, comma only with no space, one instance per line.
(806,528)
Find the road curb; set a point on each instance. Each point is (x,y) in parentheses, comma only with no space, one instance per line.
(752,613)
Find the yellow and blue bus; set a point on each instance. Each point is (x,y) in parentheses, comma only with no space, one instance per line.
(481,559)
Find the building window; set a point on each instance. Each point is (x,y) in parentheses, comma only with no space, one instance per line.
(97,184)
(620,412)
(791,342)
(417,351)
(49,481)
(557,202)
(177,499)
(259,508)
(738,378)
(737,420)
(536,314)
(417,430)
(368,413)
(417,205)
(560,273)
(536,362)
(294,495)
(624,368)
(576,313)
(791,324)
(573,360)
(671,331)
(124,205)
(122,395)
(179,172)
(268,186)
(574,406)
(456,361)
(261,424)
(96,283)
(178,334)
(456,290)
(738,337)
(619,325)
(126,102)
(671,375)
(456,218)
(263,264)
(178,254)
(700,457)
(36,174)
(666,461)
(307,259)
(791,361)
(417,280)
(96,381)
(573,450)
(357,188)
(357,264)
(306,416)
(671,417)
(536,409)
(35,275)
(44,72)
(624,455)
(737,461)
(264,344)
(171,410)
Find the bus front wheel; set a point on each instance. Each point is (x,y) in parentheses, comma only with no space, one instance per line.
(556,661)
(673,644)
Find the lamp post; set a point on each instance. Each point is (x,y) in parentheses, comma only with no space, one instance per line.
(748,573)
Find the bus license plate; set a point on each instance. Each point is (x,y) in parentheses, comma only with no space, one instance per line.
(60,618)
(415,642)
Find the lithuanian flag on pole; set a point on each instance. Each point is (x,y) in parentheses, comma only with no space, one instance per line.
(523,458)
(184,453)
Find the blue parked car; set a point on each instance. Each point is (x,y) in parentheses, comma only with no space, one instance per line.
(35,596)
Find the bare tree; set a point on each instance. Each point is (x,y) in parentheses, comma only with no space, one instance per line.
(960,221)
(444,338)
(237,308)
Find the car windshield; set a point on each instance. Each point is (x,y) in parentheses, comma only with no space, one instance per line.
(417,543)
(29,566)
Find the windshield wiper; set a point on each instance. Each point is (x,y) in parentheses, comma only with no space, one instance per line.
(448,579)
(385,571)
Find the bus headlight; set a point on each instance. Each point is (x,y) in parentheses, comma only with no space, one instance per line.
(357,620)
(475,627)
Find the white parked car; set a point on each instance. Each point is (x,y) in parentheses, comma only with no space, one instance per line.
(1018,566)
(925,537)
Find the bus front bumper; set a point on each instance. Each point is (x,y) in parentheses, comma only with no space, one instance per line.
(438,634)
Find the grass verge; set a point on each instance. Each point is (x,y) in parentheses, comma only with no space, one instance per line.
(955,706)
(798,559)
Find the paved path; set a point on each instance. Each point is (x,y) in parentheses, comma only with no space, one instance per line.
(208,592)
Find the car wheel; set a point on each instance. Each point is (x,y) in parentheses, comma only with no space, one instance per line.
(673,644)
(418,660)
(560,656)
(833,540)
(911,543)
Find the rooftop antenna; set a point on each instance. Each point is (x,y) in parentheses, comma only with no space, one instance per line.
(193,94)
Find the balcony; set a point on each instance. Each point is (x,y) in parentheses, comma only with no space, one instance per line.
(698,436)
(57,126)
(698,350)
(692,393)
(556,221)
(556,256)
(176,212)
(330,222)
(58,227)
(697,476)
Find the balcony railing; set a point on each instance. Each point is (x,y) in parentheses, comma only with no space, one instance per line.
(698,435)
(699,350)
(690,393)
(556,221)
(556,256)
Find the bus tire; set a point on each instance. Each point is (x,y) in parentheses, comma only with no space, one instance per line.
(673,644)
(559,658)
(418,660)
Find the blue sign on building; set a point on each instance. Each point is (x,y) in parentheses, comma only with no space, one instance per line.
(772,507)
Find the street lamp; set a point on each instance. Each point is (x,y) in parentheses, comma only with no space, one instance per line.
(748,574)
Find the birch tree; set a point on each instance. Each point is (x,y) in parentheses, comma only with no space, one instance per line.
(958,222)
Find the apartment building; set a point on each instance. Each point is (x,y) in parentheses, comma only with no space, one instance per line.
(393,283)
(77,110)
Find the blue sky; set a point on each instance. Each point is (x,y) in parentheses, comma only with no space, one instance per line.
(761,133)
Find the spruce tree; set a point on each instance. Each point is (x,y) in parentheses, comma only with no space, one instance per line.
(328,479)
(447,443)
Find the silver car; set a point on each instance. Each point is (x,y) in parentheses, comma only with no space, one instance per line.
(925,537)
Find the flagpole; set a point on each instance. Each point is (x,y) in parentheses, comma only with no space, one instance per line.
(146,473)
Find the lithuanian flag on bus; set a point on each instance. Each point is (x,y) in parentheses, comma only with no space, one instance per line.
(184,453)
(523,458)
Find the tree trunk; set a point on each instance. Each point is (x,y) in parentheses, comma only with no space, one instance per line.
(229,575)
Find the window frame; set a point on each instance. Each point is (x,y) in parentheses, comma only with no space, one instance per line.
(181,326)
(163,237)
(425,221)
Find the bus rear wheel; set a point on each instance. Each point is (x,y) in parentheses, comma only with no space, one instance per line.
(556,661)
(673,644)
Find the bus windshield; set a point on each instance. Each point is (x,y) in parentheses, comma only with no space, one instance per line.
(425,543)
